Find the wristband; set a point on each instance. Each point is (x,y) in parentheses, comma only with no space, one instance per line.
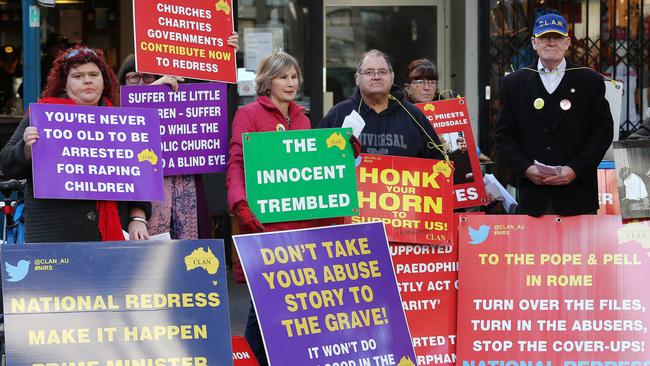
(139,219)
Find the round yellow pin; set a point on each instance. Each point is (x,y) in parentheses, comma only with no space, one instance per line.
(538,103)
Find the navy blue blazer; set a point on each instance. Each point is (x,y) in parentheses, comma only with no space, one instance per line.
(577,137)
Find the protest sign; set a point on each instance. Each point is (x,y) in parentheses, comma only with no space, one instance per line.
(193,124)
(96,153)
(412,196)
(300,174)
(242,354)
(608,200)
(450,119)
(326,296)
(116,304)
(614,96)
(427,276)
(632,159)
(553,291)
(188,39)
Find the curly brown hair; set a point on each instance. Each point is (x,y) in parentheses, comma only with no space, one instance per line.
(58,76)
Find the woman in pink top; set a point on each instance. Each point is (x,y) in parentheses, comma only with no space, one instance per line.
(277,82)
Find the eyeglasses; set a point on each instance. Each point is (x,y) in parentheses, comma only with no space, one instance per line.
(371,73)
(135,78)
(75,52)
(423,82)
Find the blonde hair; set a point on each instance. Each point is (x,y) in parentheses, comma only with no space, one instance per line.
(271,67)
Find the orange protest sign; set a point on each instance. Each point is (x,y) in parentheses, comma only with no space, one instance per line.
(450,119)
(412,196)
(185,39)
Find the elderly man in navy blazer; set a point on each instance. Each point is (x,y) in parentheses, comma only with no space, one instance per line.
(554,113)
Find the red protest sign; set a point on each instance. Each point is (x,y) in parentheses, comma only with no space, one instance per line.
(427,276)
(553,289)
(185,39)
(451,122)
(412,196)
(242,354)
(608,193)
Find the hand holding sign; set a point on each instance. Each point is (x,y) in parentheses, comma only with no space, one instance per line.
(94,153)
(30,136)
(247,218)
(300,175)
(172,81)
(233,41)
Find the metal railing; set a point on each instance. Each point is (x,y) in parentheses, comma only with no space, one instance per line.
(612,37)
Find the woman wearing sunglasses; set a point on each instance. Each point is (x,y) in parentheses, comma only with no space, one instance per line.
(79,76)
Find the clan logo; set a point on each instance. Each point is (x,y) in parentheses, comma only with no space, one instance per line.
(148,155)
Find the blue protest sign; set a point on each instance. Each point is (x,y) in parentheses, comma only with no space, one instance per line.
(162,303)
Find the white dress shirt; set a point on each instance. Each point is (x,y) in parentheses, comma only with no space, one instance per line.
(551,78)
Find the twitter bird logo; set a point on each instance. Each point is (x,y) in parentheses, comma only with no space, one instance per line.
(17,272)
(480,235)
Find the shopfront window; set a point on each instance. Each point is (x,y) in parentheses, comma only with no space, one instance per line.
(93,23)
(10,58)
(405,33)
(266,26)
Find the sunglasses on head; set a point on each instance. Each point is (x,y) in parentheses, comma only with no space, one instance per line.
(75,52)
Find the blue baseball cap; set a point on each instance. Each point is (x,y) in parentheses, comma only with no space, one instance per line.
(550,23)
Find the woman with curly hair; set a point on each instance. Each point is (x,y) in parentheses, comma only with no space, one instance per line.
(79,76)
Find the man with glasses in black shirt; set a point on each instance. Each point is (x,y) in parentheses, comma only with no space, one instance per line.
(393,126)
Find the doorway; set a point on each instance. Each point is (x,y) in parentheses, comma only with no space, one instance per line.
(405,30)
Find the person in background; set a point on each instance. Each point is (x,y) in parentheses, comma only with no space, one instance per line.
(421,84)
(127,75)
(462,165)
(422,87)
(55,44)
(79,76)
(277,82)
(393,126)
(178,213)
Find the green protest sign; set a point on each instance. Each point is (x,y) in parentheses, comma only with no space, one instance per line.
(299,175)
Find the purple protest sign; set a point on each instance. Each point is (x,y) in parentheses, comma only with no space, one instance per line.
(193,124)
(96,153)
(327,296)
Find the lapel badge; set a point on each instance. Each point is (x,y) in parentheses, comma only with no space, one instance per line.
(280,127)
(573,90)
(538,103)
(565,104)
